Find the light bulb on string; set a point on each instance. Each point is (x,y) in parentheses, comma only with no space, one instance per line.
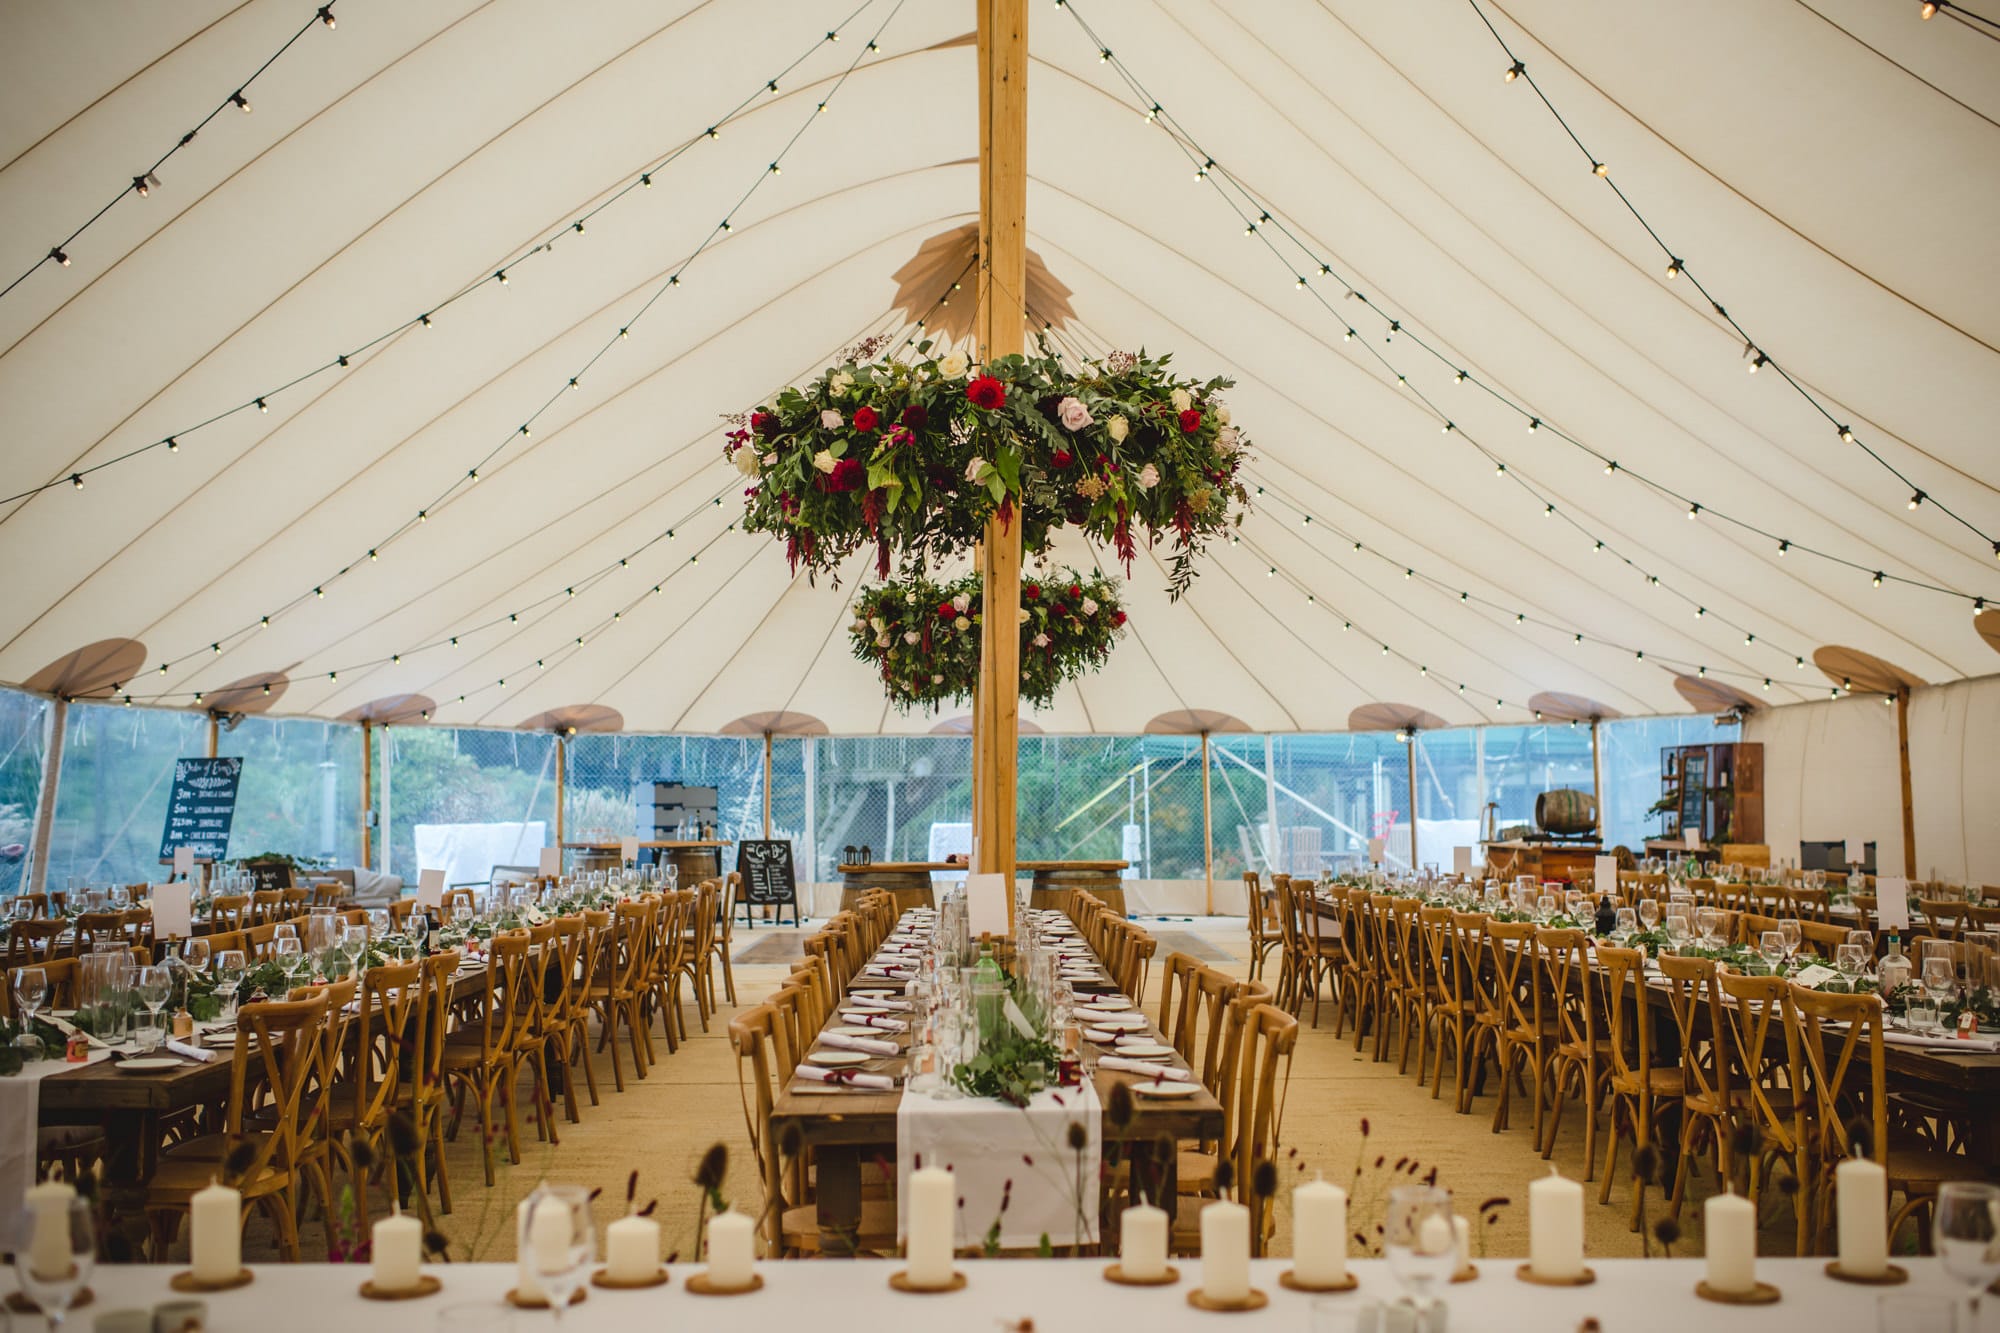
(326,15)
(1916,498)
(60,256)
(1927,10)
(239,101)
(1514,71)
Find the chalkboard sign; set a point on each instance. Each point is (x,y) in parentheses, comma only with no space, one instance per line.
(768,876)
(201,807)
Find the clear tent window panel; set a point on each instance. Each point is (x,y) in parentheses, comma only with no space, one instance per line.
(300,793)
(111,795)
(24,742)
(460,776)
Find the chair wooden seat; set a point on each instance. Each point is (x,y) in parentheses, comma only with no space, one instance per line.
(1919,1168)
(1660,1080)
(177,1179)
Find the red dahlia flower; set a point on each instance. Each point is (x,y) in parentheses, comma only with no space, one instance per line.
(914,416)
(764,424)
(865,419)
(1117,617)
(1031,592)
(848,475)
(986,392)
(1190,421)
(1061,458)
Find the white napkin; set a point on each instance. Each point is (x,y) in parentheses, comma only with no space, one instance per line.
(869,1044)
(1900,1038)
(873,1020)
(191,1052)
(819,1075)
(1125,1066)
(1103,1036)
(870,1000)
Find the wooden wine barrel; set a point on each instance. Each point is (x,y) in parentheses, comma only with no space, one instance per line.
(1100,879)
(1566,811)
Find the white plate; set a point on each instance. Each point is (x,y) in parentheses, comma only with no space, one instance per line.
(1122,1022)
(838,1059)
(1144,1050)
(150,1065)
(1166,1088)
(856,1032)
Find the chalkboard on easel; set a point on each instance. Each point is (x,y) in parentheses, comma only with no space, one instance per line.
(768,876)
(201,807)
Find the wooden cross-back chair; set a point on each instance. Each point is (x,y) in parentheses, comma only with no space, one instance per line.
(1265,923)
(1578,1062)
(1759,1015)
(1638,1086)
(618,987)
(1451,1008)
(482,1059)
(1363,983)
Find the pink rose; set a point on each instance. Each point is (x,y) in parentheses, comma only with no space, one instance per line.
(1073,414)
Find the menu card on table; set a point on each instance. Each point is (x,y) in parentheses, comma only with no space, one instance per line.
(1892,902)
(173,911)
(430,888)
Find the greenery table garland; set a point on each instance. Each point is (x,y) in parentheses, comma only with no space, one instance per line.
(913,457)
(922,636)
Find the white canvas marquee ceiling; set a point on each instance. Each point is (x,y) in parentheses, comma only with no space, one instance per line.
(1828,170)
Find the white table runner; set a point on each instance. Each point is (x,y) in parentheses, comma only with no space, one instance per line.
(988,1144)
(20,1138)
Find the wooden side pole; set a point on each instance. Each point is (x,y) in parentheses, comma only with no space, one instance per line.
(1208,836)
(214,734)
(1597,780)
(1003,272)
(767,786)
(367,791)
(1410,746)
(45,805)
(1909,805)
(562,764)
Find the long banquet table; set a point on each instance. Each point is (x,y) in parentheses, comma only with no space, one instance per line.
(1058,1295)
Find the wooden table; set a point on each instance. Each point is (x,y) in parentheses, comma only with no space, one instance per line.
(910,881)
(849,1127)
(1573,861)
(696,859)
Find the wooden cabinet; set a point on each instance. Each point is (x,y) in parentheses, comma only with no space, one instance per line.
(1714,790)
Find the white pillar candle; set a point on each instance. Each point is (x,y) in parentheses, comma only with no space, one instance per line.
(1461,1237)
(1555,1228)
(933,1218)
(549,1233)
(1729,1226)
(1142,1242)
(48,1246)
(525,1284)
(1861,1194)
(1319,1234)
(632,1249)
(397,1252)
(215,1233)
(1225,1252)
(732,1251)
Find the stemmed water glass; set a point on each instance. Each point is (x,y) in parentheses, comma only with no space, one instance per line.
(1940,981)
(195,953)
(290,956)
(560,1250)
(1709,921)
(1626,924)
(52,1274)
(1649,912)
(1793,934)
(152,985)
(1771,946)
(1965,1233)
(1679,929)
(229,968)
(1851,959)
(353,944)
(1418,1240)
(31,988)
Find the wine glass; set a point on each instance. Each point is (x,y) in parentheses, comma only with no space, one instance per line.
(1626,924)
(1965,1232)
(560,1241)
(1940,981)
(1771,946)
(950,1023)
(1545,907)
(1418,1240)
(1793,934)
(195,953)
(1649,912)
(152,985)
(291,956)
(1850,959)
(673,873)
(353,944)
(1709,921)
(56,1265)
(1865,942)
(1680,929)
(31,988)
(229,968)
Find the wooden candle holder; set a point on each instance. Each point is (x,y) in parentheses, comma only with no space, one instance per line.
(1116,1273)
(427,1285)
(187,1281)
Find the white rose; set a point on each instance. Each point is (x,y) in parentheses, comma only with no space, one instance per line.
(881,641)
(1073,414)
(1090,606)
(1021,614)
(1221,411)
(878,624)
(1183,400)
(911,636)
(911,598)
(962,601)
(746,461)
(1118,428)
(841,381)
(1149,477)
(937,680)
(858,627)
(830,419)
(1041,641)
(961,623)
(1226,440)
(823,460)
(953,365)
(974,468)
(770,458)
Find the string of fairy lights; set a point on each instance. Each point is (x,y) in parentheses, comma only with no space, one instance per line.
(142,185)
(572,227)
(462,485)
(1959,14)
(577,586)
(1259,222)
(1755,356)
(1309,522)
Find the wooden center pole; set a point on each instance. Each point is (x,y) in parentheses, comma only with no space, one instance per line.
(1410,747)
(1597,781)
(767,786)
(367,790)
(1208,836)
(1909,804)
(1000,331)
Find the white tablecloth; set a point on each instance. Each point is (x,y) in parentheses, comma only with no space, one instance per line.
(20,1135)
(987,1144)
(1060,1295)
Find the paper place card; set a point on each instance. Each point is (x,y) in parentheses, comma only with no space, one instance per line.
(1461,860)
(1017,1018)
(1850,851)
(628,850)
(986,905)
(552,861)
(173,911)
(1607,876)
(1691,839)
(183,861)
(1812,978)
(1375,846)
(1892,902)
(430,888)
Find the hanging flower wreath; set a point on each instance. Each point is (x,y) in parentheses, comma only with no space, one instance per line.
(913,457)
(923,636)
